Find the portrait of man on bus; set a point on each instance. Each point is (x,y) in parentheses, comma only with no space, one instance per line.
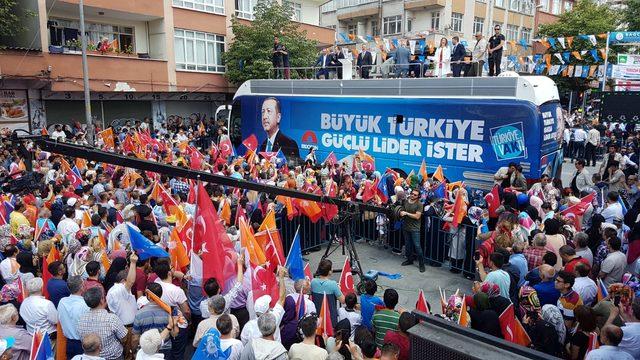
(276,140)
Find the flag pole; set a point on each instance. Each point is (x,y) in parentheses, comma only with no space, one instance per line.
(195,214)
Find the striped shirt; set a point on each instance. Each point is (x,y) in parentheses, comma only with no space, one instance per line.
(383,321)
(151,316)
(567,303)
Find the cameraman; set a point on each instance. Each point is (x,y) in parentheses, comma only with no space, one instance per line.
(411,214)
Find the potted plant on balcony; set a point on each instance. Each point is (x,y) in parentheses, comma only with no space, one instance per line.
(92,48)
(104,46)
(128,50)
(72,46)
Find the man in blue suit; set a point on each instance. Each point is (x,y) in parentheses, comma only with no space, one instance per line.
(457,56)
(324,64)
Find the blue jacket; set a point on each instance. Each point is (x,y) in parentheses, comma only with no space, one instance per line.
(458,52)
(327,61)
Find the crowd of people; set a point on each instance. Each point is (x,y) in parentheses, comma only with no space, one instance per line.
(563,259)
(449,58)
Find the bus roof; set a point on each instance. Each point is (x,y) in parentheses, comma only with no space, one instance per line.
(535,89)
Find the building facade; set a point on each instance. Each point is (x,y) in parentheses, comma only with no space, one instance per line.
(431,19)
(548,12)
(160,58)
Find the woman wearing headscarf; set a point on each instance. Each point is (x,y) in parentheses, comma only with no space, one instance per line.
(555,240)
(497,303)
(551,314)
(289,323)
(543,333)
(118,264)
(79,262)
(595,232)
(483,318)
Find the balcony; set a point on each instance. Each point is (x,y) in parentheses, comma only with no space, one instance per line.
(125,10)
(424,4)
(108,73)
(360,8)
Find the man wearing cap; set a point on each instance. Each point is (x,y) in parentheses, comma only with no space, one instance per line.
(14,337)
(251,329)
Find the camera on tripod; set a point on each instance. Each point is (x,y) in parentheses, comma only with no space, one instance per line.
(29,182)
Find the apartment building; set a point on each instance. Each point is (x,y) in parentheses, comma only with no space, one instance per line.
(548,12)
(431,19)
(164,57)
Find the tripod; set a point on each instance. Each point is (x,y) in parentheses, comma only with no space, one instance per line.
(348,246)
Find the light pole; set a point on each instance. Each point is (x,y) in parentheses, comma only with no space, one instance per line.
(85,77)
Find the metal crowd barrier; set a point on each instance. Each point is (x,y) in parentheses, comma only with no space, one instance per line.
(436,338)
(453,248)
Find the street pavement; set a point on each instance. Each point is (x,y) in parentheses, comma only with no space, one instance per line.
(412,280)
(374,258)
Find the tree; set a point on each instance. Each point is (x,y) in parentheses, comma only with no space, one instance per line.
(249,56)
(586,18)
(11,18)
(632,15)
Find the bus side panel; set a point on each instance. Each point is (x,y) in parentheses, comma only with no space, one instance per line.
(471,139)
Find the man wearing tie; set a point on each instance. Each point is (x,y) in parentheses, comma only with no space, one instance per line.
(335,61)
(276,140)
(324,62)
(457,56)
(364,62)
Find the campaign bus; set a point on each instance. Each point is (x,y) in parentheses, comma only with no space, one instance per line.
(469,126)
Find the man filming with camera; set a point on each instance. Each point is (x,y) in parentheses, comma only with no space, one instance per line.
(411,214)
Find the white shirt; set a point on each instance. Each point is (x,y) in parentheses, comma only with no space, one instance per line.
(236,348)
(122,303)
(38,312)
(611,212)
(479,50)
(355,319)
(67,227)
(586,288)
(251,331)
(608,352)
(171,294)
(579,135)
(58,135)
(7,272)
(566,135)
(631,339)
(593,137)
(228,298)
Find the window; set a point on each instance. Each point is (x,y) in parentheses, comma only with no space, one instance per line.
(328,7)
(375,28)
(544,5)
(512,32)
(435,20)
(409,24)
(568,6)
(478,25)
(297,11)
(525,34)
(244,9)
(392,25)
(212,6)
(456,22)
(556,7)
(62,31)
(352,29)
(198,51)
(513,5)
(500,3)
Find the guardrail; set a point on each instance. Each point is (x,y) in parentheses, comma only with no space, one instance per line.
(452,248)
(388,69)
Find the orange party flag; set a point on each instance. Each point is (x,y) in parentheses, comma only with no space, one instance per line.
(439,174)
(225,212)
(177,251)
(464,319)
(423,170)
(248,241)
(86,219)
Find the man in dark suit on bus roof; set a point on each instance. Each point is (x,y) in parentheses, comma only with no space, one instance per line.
(276,140)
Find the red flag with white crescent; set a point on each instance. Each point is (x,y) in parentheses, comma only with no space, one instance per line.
(346,278)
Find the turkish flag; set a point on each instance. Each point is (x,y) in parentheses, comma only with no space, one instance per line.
(330,211)
(307,272)
(493,201)
(74,179)
(225,147)
(196,158)
(263,282)
(54,255)
(459,210)
(346,278)
(576,211)
(210,237)
(421,304)
(251,142)
(512,329)
(324,319)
